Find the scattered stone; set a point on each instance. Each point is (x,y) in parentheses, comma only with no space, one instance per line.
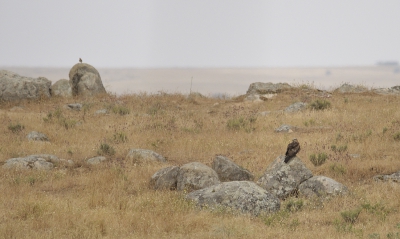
(194,176)
(37,136)
(102,111)
(76,106)
(85,80)
(165,178)
(259,98)
(395,177)
(347,88)
(16,109)
(298,106)
(61,88)
(264,113)
(15,87)
(322,186)
(282,179)
(285,128)
(229,171)
(144,155)
(242,196)
(354,155)
(96,160)
(39,161)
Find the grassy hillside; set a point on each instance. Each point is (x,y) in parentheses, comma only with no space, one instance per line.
(113,200)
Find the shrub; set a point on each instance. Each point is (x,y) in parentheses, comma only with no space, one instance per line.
(120,137)
(339,149)
(396,136)
(121,110)
(106,149)
(15,128)
(239,123)
(320,105)
(351,216)
(294,206)
(337,169)
(318,160)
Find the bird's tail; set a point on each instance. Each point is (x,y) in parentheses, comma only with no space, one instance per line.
(286,160)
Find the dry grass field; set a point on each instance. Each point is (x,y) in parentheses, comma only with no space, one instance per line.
(113,200)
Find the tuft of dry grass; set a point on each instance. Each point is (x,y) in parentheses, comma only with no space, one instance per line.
(113,200)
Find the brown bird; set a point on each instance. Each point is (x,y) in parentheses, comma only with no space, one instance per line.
(80,60)
(292,149)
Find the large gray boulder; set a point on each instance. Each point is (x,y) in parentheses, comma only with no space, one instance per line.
(38,161)
(61,88)
(282,179)
(195,175)
(144,155)
(322,186)
(165,178)
(242,196)
(15,87)
(347,88)
(85,80)
(229,171)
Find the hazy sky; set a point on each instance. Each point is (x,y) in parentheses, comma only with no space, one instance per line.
(199,33)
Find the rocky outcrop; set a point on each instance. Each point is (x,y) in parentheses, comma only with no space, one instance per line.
(347,88)
(242,196)
(229,171)
(85,80)
(395,90)
(96,160)
(165,178)
(194,176)
(39,161)
(259,91)
(37,136)
(282,179)
(61,88)
(144,155)
(15,87)
(322,186)
(298,106)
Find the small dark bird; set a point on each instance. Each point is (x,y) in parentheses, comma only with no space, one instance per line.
(292,149)
(80,60)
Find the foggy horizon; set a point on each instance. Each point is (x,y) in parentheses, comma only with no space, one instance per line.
(199,34)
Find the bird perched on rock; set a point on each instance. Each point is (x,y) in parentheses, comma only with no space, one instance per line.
(292,149)
(80,60)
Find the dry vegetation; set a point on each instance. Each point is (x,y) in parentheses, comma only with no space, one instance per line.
(113,200)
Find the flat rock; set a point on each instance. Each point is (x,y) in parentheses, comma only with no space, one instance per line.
(322,186)
(165,178)
(96,160)
(298,106)
(14,87)
(227,170)
(395,177)
(37,161)
(75,106)
(144,155)
(195,175)
(285,128)
(282,179)
(395,90)
(242,196)
(261,88)
(37,136)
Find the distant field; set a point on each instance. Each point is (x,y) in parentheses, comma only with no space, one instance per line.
(232,81)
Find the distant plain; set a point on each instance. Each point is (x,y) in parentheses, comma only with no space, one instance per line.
(229,81)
